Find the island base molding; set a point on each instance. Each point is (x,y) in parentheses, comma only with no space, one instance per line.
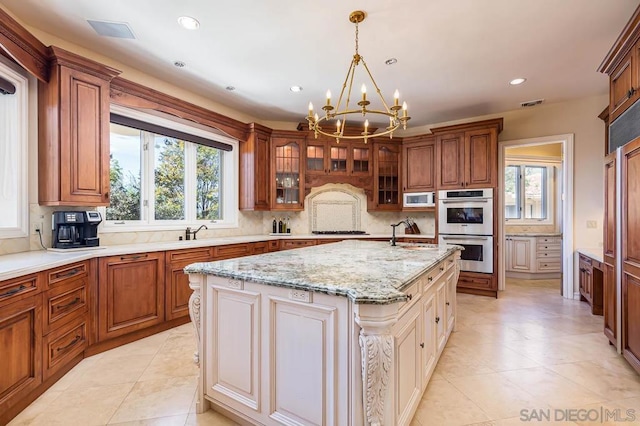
(268,357)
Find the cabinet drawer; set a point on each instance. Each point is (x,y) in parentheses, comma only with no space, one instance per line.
(476,282)
(274,245)
(291,244)
(328,240)
(549,266)
(260,247)
(549,240)
(414,293)
(62,345)
(18,288)
(59,275)
(201,254)
(586,260)
(548,247)
(550,255)
(435,274)
(65,303)
(233,250)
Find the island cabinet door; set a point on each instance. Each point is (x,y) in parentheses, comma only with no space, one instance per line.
(441,336)
(408,365)
(306,353)
(428,343)
(232,327)
(450,299)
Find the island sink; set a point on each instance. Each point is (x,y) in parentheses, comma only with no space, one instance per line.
(347,333)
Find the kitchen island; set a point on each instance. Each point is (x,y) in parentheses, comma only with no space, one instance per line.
(340,334)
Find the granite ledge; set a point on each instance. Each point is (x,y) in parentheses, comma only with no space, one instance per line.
(592,252)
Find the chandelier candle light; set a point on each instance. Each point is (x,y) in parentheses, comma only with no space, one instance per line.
(331,113)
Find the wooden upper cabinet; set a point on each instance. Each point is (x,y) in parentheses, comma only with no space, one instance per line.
(73,141)
(325,156)
(255,173)
(467,155)
(287,180)
(622,82)
(419,165)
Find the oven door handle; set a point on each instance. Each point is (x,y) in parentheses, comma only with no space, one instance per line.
(466,237)
(466,200)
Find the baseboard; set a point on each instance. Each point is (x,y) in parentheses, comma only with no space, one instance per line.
(533,276)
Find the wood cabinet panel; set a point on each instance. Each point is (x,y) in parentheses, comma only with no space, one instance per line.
(450,161)
(65,303)
(63,274)
(419,168)
(481,158)
(18,288)
(287,180)
(291,244)
(130,293)
(73,151)
(20,351)
(232,250)
(386,177)
(177,291)
(621,84)
(63,345)
(408,365)
(631,320)
(255,172)
(609,222)
(610,308)
(260,247)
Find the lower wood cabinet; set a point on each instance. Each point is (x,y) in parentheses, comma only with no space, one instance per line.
(590,282)
(20,352)
(291,244)
(130,293)
(477,283)
(177,291)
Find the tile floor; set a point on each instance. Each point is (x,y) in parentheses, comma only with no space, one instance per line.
(528,350)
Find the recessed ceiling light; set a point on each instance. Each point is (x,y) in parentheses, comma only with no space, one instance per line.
(391,61)
(179,64)
(517,81)
(230,88)
(189,23)
(295,89)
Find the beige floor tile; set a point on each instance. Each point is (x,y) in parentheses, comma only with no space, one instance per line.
(36,408)
(165,366)
(112,370)
(501,358)
(158,421)
(457,361)
(552,388)
(537,418)
(147,346)
(606,383)
(443,404)
(75,373)
(84,407)
(496,395)
(209,418)
(157,398)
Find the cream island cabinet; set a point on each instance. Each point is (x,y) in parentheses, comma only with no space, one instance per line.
(347,333)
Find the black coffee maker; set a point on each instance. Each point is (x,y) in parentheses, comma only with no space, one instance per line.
(75,229)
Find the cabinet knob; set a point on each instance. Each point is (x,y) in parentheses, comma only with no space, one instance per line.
(106,195)
(437,320)
(448,303)
(409,296)
(430,279)
(422,345)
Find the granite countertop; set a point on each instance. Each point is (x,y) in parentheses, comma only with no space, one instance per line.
(18,264)
(594,253)
(364,271)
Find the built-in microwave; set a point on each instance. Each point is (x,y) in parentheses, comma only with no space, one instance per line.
(418,199)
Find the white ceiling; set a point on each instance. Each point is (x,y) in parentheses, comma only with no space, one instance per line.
(455,57)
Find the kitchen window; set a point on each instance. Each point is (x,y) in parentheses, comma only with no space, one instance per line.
(168,175)
(529,193)
(14,88)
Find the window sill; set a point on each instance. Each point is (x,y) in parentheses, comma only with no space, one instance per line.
(111,228)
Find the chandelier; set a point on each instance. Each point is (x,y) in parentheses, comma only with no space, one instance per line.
(392,114)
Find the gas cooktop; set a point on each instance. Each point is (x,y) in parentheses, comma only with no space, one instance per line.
(339,232)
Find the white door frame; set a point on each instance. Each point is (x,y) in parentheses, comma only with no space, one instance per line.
(566,198)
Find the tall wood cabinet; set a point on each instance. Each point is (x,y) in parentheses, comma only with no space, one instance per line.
(631,252)
(610,293)
(73,141)
(387,166)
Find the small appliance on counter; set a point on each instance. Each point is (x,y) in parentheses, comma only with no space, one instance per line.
(75,229)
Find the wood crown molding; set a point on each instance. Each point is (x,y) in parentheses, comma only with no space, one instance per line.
(23,47)
(495,122)
(133,95)
(68,59)
(625,41)
(604,115)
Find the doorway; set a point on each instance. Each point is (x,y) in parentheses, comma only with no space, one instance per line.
(535,211)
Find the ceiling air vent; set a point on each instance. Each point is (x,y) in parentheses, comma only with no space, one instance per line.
(112,29)
(531,103)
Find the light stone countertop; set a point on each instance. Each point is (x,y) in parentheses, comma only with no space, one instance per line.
(533,234)
(592,252)
(19,264)
(367,272)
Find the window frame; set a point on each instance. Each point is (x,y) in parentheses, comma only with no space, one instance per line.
(549,202)
(24,86)
(228,176)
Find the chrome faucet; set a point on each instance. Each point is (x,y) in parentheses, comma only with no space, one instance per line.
(393,234)
(189,232)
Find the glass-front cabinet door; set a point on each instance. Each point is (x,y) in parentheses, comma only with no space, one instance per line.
(338,159)
(361,159)
(316,158)
(288,181)
(387,177)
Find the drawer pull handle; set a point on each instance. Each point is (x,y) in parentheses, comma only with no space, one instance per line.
(136,257)
(73,302)
(409,296)
(71,273)
(430,279)
(14,291)
(71,343)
